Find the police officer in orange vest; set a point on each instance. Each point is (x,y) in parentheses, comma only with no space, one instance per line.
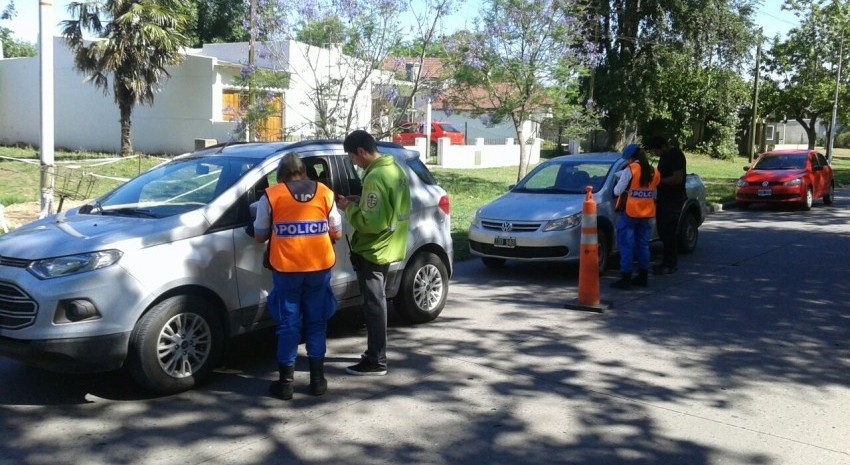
(638,181)
(300,219)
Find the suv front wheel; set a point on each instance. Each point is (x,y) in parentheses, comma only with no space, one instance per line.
(175,345)
(424,287)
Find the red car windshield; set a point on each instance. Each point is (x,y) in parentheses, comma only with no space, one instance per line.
(795,161)
(448,128)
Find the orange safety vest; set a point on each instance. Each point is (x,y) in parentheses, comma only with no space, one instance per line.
(299,236)
(641,203)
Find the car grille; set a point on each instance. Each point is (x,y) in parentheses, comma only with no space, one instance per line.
(14,262)
(17,309)
(510,226)
(768,197)
(519,252)
(761,184)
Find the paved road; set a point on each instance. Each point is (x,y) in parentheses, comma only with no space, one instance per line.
(740,358)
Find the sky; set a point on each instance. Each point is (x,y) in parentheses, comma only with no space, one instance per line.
(25,25)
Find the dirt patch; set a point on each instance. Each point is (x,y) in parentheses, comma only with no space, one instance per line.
(19,214)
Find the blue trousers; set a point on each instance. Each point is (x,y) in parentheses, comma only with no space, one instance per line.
(633,242)
(301,300)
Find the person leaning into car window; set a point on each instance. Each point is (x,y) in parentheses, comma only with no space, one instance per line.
(299,217)
(638,181)
(380,219)
(670,201)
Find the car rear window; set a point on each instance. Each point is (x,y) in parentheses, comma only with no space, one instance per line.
(421,171)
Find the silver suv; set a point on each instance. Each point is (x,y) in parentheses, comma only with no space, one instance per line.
(158,274)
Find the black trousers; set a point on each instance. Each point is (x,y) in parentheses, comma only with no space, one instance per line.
(667,222)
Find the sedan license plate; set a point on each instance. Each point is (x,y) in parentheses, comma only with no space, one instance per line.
(507,242)
(764,192)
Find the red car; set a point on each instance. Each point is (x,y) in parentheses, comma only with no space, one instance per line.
(786,177)
(410,131)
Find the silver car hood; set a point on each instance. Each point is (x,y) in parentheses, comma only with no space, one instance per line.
(73,233)
(516,206)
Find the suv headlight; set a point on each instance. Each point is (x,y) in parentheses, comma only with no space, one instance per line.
(793,182)
(563,223)
(72,264)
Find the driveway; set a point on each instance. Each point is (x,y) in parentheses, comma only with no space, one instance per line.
(742,357)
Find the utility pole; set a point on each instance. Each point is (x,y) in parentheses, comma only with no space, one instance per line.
(46,144)
(252,14)
(835,101)
(751,140)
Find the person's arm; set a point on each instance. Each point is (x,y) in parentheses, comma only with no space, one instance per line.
(678,177)
(334,223)
(373,213)
(263,221)
(624,178)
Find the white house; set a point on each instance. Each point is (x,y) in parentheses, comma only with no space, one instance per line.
(191,105)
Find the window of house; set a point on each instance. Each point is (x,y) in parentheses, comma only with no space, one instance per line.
(769,132)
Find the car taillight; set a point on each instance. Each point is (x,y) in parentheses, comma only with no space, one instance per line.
(444,205)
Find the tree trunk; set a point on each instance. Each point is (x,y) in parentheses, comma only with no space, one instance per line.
(616,129)
(810,128)
(126,139)
(523,155)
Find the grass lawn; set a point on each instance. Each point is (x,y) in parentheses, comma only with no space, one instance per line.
(468,189)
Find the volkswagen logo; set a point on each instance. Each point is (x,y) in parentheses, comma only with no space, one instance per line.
(765,183)
(507,227)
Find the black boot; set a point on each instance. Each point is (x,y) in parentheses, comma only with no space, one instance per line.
(642,278)
(282,389)
(318,383)
(623,283)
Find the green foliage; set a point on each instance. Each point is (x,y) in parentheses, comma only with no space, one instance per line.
(669,67)
(323,33)
(512,64)
(141,40)
(802,66)
(13,48)
(216,21)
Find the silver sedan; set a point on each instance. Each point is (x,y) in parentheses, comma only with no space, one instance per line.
(539,219)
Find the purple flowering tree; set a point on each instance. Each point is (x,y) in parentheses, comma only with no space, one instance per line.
(516,62)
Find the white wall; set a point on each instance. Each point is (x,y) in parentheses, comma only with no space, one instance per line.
(188,107)
(479,155)
(87,119)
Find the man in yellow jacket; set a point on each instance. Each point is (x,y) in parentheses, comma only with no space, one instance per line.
(299,217)
(380,218)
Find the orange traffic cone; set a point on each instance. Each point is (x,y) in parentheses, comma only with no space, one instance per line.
(588,268)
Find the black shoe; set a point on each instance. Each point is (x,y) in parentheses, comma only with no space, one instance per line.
(318,383)
(625,282)
(663,269)
(364,368)
(642,279)
(282,388)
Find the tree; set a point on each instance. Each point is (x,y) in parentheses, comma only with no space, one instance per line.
(802,67)
(519,52)
(10,46)
(217,21)
(658,63)
(138,41)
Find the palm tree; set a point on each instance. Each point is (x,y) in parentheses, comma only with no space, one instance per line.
(137,41)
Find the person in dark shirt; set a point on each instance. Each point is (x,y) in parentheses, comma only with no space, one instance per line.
(669,201)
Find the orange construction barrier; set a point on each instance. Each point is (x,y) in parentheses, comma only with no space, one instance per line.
(588,271)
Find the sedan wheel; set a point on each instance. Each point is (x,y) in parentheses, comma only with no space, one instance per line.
(809,200)
(829,196)
(688,233)
(175,345)
(424,288)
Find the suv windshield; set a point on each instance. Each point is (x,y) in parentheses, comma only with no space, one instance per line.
(173,188)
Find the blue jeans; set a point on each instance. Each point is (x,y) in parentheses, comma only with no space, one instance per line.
(301,299)
(633,241)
